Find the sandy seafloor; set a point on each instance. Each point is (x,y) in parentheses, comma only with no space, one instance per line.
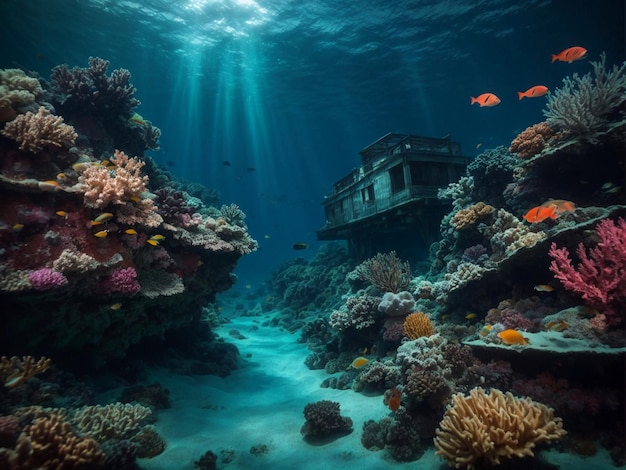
(262,403)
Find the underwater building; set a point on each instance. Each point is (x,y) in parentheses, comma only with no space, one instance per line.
(392,197)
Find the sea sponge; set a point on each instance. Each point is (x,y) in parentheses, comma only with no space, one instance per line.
(417,324)
(483,429)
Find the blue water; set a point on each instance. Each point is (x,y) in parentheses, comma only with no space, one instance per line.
(295,88)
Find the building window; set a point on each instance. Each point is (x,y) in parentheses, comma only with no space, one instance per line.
(367,194)
(396,175)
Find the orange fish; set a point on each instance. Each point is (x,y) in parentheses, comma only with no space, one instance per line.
(556,325)
(560,205)
(570,55)
(360,362)
(533,92)
(513,337)
(395,400)
(540,213)
(486,99)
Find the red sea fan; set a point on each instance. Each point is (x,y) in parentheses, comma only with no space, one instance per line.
(600,278)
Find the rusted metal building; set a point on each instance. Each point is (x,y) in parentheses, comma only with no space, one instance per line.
(390,202)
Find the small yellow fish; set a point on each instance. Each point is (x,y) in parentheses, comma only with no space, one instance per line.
(556,325)
(18,227)
(610,188)
(137,119)
(116,306)
(49,185)
(101,233)
(360,362)
(105,163)
(61,177)
(130,231)
(81,166)
(484,331)
(470,315)
(157,237)
(152,242)
(135,198)
(543,288)
(62,214)
(102,218)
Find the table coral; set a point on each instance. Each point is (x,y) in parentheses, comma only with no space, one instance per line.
(483,429)
(34,132)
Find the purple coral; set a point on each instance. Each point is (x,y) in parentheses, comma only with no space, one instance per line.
(46,279)
(91,89)
(121,281)
(173,207)
(600,277)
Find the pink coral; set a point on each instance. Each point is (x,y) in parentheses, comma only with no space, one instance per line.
(122,281)
(600,277)
(46,278)
(124,187)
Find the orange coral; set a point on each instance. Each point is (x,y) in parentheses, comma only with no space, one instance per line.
(15,371)
(417,325)
(533,140)
(50,443)
(470,215)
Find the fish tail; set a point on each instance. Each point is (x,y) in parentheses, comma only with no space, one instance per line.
(520,95)
(555,57)
(472,100)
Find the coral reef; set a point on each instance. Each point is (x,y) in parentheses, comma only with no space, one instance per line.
(385,271)
(588,103)
(417,325)
(533,140)
(324,419)
(601,276)
(486,429)
(15,371)
(34,132)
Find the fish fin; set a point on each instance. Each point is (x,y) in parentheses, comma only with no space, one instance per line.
(472,100)
(520,95)
(555,57)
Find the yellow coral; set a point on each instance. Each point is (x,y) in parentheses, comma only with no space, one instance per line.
(417,325)
(15,371)
(482,430)
(470,215)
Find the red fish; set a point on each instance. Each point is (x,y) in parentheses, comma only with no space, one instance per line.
(486,99)
(540,213)
(570,55)
(533,92)
(395,400)
(560,205)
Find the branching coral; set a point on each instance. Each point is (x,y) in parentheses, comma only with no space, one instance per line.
(417,325)
(386,271)
(601,275)
(585,104)
(533,140)
(233,215)
(123,186)
(34,132)
(485,429)
(114,421)
(323,419)
(15,371)
(91,89)
(467,217)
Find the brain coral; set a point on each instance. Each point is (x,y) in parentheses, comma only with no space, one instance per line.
(483,429)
